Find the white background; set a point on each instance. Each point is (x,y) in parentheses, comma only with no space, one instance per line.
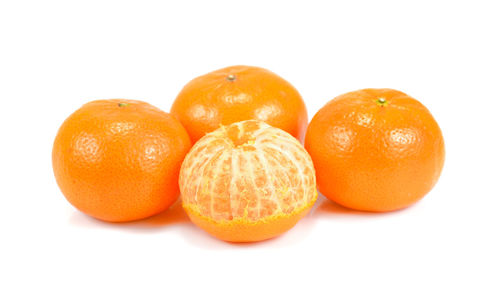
(57,55)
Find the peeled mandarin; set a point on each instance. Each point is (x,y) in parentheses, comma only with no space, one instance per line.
(247,181)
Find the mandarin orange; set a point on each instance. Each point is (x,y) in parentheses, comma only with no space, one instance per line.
(247,181)
(239,93)
(375,150)
(119,160)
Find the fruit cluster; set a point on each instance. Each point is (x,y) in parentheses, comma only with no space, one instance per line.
(232,148)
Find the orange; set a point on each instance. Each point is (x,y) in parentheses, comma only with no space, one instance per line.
(119,160)
(239,93)
(375,150)
(247,181)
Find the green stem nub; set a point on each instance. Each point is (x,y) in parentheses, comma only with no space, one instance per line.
(231,77)
(381,102)
(123,104)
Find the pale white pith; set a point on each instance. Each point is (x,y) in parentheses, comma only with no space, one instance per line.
(276,171)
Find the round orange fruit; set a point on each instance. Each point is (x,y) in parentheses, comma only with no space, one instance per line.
(119,160)
(375,150)
(239,93)
(247,181)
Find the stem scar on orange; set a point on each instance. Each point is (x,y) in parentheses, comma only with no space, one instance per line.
(119,160)
(239,93)
(375,150)
(247,181)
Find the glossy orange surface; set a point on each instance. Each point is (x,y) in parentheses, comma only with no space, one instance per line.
(119,160)
(239,93)
(375,150)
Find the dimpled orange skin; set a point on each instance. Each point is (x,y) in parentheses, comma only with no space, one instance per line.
(239,93)
(119,160)
(247,182)
(375,150)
